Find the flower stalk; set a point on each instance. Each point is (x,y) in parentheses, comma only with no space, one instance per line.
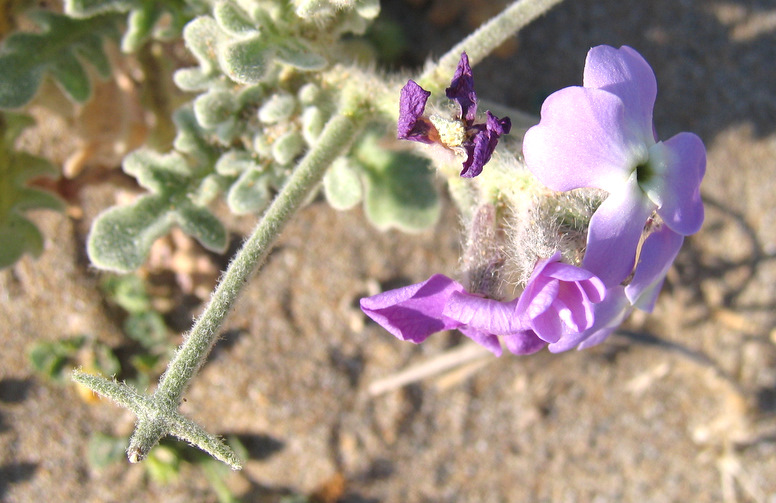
(158,414)
(485,40)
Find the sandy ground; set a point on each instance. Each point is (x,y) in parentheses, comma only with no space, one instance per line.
(679,406)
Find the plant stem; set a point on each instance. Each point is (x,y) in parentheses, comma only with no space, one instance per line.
(337,134)
(485,40)
(335,138)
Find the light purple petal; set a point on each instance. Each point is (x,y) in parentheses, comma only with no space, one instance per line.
(414,312)
(657,254)
(680,163)
(462,89)
(547,325)
(608,316)
(614,233)
(582,140)
(625,73)
(483,314)
(484,339)
(566,272)
(523,343)
(538,296)
(412,103)
(594,289)
(574,308)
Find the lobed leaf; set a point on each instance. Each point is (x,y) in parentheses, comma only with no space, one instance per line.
(19,235)
(142,19)
(342,185)
(90,8)
(233,20)
(215,107)
(246,61)
(399,191)
(250,193)
(300,55)
(121,237)
(26,57)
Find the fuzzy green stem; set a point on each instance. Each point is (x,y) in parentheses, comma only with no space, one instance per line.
(337,134)
(485,40)
(158,415)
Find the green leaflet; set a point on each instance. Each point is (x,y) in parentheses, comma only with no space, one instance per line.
(142,17)
(17,234)
(89,8)
(59,50)
(121,237)
(342,185)
(250,193)
(398,189)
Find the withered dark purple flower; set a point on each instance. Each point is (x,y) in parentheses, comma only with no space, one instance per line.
(460,134)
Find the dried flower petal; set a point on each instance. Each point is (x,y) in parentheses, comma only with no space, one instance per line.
(462,89)
(412,125)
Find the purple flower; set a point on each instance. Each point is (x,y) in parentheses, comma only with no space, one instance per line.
(657,255)
(557,303)
(414,312)
(601,135)
(461,134)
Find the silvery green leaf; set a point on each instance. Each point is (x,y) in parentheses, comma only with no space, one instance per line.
(191,138)
(399,189)
(246,61)
(26,57)
(250,193)
(89,8)
(140,25)
(312,124)
(192,79)
(121,237)
(250,95)
(277,108)
(202,36)
(211,186)
(309,94)
(161,173)
(214,108)
(288,147)
(235,162)
(199,223)
(342,185)
(299,55)
(19,235)
(262,145)
(233,20)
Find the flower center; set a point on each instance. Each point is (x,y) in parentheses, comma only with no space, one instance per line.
(644,172)
(451,132)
